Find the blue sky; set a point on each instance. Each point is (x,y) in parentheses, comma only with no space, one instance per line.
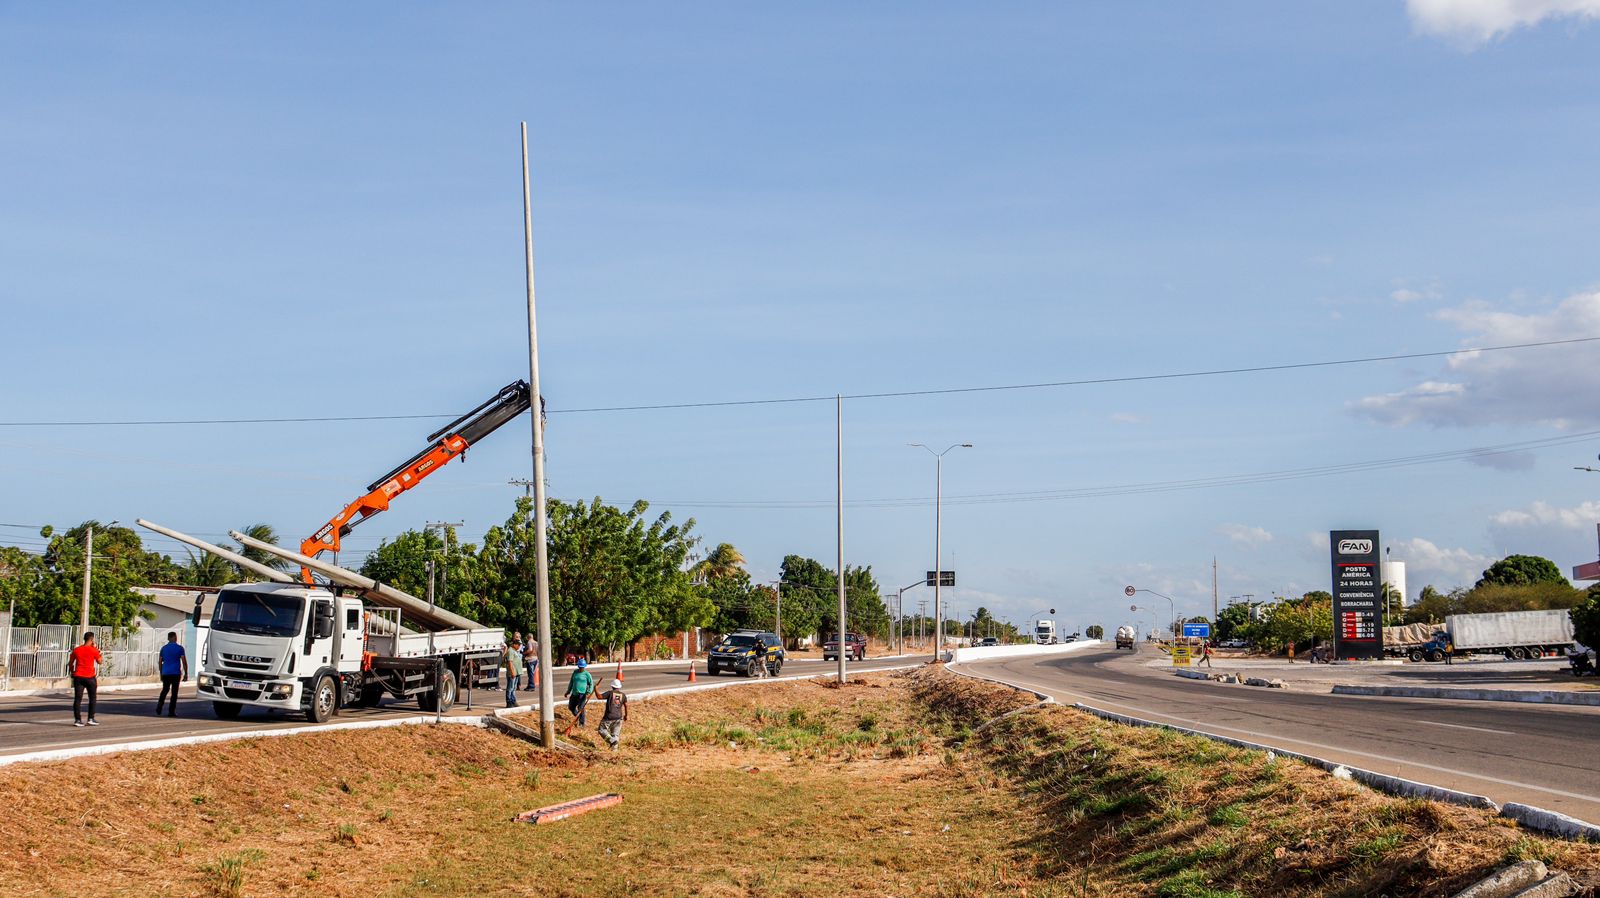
(253,212)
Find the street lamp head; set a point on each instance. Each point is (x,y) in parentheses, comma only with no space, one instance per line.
(966,445)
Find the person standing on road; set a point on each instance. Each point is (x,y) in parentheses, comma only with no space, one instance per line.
(616,713)
(83,665)
(174,670)
(513,662)
(1449,650)
(1205,653)
(578,689)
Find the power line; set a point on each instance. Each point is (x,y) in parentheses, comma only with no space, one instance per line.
(898,394)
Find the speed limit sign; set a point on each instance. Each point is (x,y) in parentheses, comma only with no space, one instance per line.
(1129,591)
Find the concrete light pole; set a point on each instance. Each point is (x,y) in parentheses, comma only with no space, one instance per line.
(88,566)
(547,695)
(938,535)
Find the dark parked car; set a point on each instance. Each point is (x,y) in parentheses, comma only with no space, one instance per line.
(737,651)
(856,652)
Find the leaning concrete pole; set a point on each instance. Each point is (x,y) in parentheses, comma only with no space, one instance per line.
(248,564)
(547,693)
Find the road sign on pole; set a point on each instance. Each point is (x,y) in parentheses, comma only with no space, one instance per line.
(1129,591)
(1197,631)
(944,578)
(1180,655)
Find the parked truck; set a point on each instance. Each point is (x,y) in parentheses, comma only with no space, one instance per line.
(1409,641)
(1518,635)
(292,647)
(1125,637)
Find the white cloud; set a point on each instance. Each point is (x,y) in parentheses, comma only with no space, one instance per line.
(1475,22)
(1582,516)
(1406,292)
(1547,385)
(1245,535)
(1431,564)
(1127,418)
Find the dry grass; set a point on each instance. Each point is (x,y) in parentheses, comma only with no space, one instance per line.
(884,787)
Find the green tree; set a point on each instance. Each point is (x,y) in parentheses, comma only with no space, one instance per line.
(403,564)
(1432,607)
(1522,570)
(721,562)
(206,569)
(266,534)
(1586,618)
(1231,621)
(1094,631)
(48,587)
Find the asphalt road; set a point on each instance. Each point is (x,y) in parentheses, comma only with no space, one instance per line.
(1542,755)
(34,723)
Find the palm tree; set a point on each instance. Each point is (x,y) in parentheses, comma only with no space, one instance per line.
(723,561)
(266,534)
(207,570)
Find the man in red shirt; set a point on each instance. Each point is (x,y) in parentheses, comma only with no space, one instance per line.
(83,665)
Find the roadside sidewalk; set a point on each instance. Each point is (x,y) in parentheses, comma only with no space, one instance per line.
(1545,681)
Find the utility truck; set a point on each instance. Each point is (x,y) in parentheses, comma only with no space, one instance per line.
(291,647)
(1125,636)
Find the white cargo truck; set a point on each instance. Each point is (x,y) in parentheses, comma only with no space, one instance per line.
(1517,635)
(295,647)
(1125,637)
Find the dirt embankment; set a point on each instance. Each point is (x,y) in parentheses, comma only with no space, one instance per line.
(891,785)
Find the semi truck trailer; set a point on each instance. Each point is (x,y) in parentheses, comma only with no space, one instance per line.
(1518,635)
(293,647)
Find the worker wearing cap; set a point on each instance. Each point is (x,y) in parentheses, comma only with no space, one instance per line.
(578,689)
(616,712)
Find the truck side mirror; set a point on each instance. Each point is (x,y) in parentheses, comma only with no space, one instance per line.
(323,627)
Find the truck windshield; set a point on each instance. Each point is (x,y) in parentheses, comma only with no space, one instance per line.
(264,614)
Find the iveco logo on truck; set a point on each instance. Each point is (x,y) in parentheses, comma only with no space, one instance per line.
(1355,547)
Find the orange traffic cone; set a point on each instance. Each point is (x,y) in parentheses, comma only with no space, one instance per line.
(619,670)
(691,670)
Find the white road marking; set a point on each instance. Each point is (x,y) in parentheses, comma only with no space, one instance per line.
(1462,726)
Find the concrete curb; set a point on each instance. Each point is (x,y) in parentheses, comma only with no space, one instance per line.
(477,720)
(67,690)
(1191,674)
(1383,782)
(1535,696)
(1551,822)
(1043,699)
(83,751)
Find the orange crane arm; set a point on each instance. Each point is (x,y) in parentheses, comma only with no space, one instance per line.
(449,442)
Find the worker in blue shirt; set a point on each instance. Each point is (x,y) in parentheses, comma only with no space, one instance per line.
(174,670)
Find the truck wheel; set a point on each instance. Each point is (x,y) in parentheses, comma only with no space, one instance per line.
(226,710)
(712,670)
(1517,654)
(324,700)
(777,668)
(1436,655)
(1416,655)
(443,696)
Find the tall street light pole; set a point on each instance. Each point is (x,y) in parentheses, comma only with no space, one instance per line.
(547,695)
(838,411)
(938,536)
(1170,605)
(88,565)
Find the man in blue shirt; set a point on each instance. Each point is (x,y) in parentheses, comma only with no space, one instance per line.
(174,670)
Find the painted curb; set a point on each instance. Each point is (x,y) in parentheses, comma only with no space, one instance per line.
(1533,696)
(1394,785)
(83,751)
(1191,674)
(1551,822)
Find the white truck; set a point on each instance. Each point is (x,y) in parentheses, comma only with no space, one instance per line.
(1125,637)
(1518,635)
(294,647)
(1044,632)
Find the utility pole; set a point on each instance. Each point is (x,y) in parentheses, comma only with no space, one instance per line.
(527,486)
(88,565)
(838,411)
(938,539)
(444,528)
(1214,610)
(547,700)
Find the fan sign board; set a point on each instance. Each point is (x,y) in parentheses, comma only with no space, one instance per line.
(1197,631)
(1357,594)
(1180,655)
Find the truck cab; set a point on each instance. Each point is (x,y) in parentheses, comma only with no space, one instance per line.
(1044,632)
(293,647)
(285,646)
